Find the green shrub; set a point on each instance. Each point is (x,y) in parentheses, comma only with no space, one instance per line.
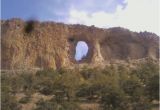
(47,105)
(46,73)
(152,88)
(115,87)
(69,83)
(132,87)
(8,101)
(24,100)
(43,85)
(146,70)
(45,81)
(83,91)
(26,81)
(142,104)
(113,99)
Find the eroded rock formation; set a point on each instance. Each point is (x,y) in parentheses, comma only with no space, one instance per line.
(52,45)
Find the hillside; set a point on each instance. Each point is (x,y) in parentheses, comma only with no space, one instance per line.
(34,44)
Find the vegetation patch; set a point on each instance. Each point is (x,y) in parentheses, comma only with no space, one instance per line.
(114,87)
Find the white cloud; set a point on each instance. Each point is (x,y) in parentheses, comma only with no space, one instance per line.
(139,15)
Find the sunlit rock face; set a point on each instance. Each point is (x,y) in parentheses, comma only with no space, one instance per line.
(53,45)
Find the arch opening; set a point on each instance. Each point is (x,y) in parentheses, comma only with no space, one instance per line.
(81,50)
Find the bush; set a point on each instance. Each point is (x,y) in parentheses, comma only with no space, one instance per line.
(83,91)
(46,73)
(24,100)
(115,87)
(8,101)
(142,104)
(47,105)
(88,73)
(69,83)
(26,81)
(53,105)
(146,70)
(45,81)
(133,88)
(45,87)
(152,88)
(113,99)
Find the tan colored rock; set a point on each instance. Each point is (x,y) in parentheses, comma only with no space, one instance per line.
(52,45)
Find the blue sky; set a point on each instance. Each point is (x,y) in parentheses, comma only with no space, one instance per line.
(57,10)
(81,50)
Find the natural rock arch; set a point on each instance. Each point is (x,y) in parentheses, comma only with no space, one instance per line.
(73,42)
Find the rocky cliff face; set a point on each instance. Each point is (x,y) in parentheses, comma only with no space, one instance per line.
(52,45)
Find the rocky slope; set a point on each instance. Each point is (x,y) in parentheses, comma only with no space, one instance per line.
(36,44)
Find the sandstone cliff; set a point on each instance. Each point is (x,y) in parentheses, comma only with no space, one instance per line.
(52,45)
